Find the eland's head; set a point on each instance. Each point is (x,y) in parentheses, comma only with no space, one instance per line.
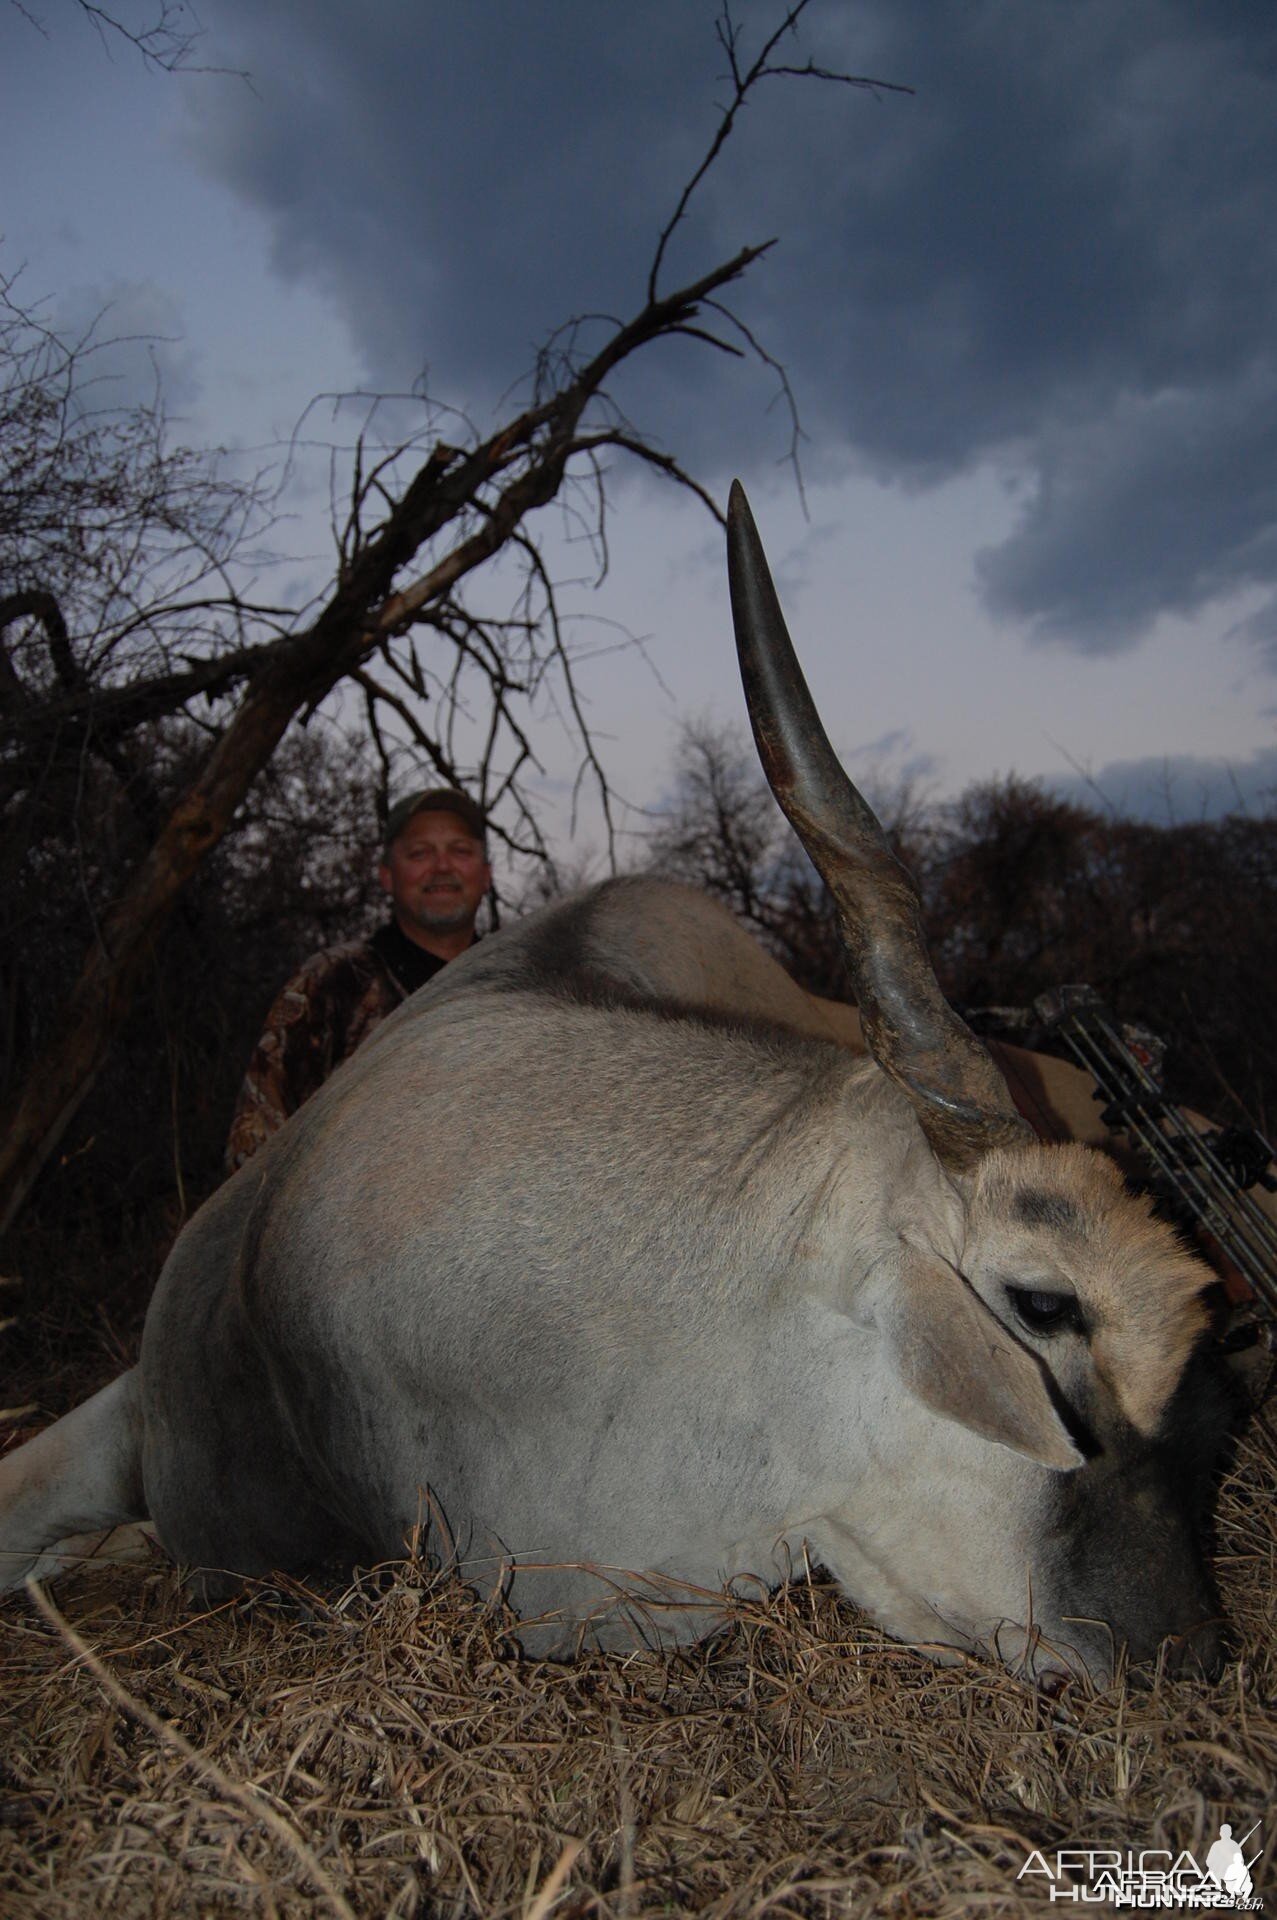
(1044,1473)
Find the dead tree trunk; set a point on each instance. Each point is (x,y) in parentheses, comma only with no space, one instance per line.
(491,488)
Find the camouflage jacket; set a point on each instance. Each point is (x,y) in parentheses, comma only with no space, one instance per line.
(318,1019)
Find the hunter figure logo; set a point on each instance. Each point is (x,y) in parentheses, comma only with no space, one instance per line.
(1152,1877)
(1227,1866)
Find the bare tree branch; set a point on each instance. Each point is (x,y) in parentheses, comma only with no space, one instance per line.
(743,84)
(150,603)
(167,43)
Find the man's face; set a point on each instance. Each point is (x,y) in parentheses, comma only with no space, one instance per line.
(436,875)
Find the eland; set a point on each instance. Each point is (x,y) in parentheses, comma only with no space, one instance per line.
(606,1273)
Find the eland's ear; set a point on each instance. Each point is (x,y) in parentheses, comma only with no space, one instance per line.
(960,1360)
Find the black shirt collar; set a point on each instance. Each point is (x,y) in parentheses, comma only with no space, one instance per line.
(408,965)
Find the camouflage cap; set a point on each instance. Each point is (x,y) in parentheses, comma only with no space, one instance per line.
(435,800)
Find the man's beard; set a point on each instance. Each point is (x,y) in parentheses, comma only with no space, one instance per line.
(443,918)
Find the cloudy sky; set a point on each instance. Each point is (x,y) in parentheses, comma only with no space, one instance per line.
(1029,315)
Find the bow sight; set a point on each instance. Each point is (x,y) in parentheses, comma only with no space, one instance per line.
(1203,1178)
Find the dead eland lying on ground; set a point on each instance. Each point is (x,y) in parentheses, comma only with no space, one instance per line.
(607,1267)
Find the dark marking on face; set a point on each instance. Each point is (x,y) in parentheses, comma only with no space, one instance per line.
(1128,1534)
(1198,1431)
(1038,1207)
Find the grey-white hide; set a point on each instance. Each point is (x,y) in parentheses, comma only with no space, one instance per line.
(601,1270)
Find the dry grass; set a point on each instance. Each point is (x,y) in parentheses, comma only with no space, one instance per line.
(382,1751)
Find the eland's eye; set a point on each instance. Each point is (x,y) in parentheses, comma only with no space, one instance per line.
(1046,1312)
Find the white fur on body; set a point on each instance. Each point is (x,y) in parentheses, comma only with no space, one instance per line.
(600,1266)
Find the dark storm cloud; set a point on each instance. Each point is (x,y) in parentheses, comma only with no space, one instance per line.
(464,179)
(1062,252)
(1165,500)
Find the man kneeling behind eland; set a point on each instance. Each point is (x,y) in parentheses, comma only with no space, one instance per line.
(679,1291)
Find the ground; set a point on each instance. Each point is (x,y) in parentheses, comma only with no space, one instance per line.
(380,1749)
